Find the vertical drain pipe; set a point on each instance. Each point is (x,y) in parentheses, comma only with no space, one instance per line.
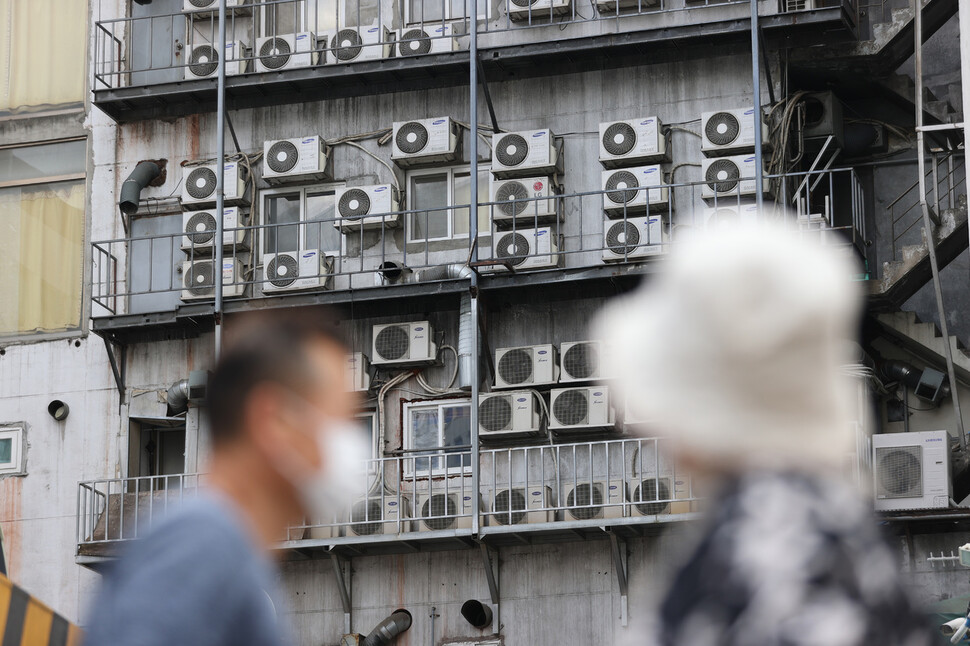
(756,90)
(472,8)
(220,178)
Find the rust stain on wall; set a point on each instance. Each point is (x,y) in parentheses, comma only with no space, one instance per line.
(11,490)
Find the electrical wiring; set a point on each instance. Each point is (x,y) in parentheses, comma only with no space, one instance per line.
(367,152)
(687,130)
(674,169)
(449,388)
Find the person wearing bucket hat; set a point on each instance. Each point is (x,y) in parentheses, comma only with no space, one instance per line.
(735,351)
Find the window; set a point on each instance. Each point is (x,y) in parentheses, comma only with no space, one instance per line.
(41,237)
(34,75)
(11,450)
(422,11)
(305,217)
(433,195)
(436,426)
(317,16)
(367,425)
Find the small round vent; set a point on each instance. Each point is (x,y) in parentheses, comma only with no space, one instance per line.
(439,511)
(274,53)
(347,44)
(515,366)
(282,270)
(282,156)
(900,472)
(199,279)
(619,138)
(512,150)
(411,138)
(571,407)
(414,42)
(511,198)
(723,175)
(201,183)
(201,228)
(204,60)
(581,361)
(393,342)
(508,507)
(363,514)
(513,247)
(722,129)
(615,183)
(354,203)
(647,491)
(622,238)
(495,413)
(584,501)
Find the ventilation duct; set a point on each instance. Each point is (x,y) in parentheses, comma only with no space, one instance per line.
(178,397)
(398,622)
(476,613)
(927,384)
(143,174)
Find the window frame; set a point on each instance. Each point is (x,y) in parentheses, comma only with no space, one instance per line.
(302,222)
(18,462)
(305,15)
(451,208)
(410,470)
(375,451)
(412,21)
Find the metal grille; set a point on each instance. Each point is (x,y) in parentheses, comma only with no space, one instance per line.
(621,179)
(282,156)
(393,342)
(513,247)
(354,203)
(511,196)
(347,44)
(204,60)
(622,238)
(581,361)
(411,138)
(723,175)
(584,501)
(200,279)
(647,490)
(511,502)
(364,511)
(524,3)
(515,366)
(495,413)
(414,42)
(899,472)
(439,511)
(722,128)
(512,149)
(571,407)
(274,53)
(283,270)
(619,138)
(202,4)
(201,228)
(201,183)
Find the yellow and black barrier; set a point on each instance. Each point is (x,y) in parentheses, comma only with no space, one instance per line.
(25,621)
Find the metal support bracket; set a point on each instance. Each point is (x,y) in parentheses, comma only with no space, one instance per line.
(618,549)
(490,561)
(342,571)
(118,364)
(488,99)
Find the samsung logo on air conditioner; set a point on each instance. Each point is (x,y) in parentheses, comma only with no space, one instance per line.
(439,30)
(438,122)
(541,133)
(310,254)
(302,36)
(380,188)
(372,30)
(646,122)
(749,160)
(226,265)
(649,171)
(747,112)
(309,140)
(228,167)
(541,233)
(933,439)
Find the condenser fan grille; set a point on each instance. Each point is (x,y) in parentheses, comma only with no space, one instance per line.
(201,183)
(283,270)
(617,182)
(899,472)
(282,156)
(393,342)
(581,361)
(202,4)
(412,137)
(511,198)
(571,407)
(512,149)
(524,3)
(414,42)
(722,129)
(723,175)
(508,507)
(354,203)
(647,491)
(584,501)
(495,413)
(201,228)
(619,138)
(274,53)
(439,511)
(200,278)
(204,60)
(365,512)
(515,366)
(347,44)
(513,247)
(622,238)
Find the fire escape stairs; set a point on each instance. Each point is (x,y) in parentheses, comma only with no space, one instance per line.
(925,341)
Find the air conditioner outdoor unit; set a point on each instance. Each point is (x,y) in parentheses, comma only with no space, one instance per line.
(611,7)
(291,271)
(424,141)
(525,154)
(355,44)
(631,414)
(798,5)
(628,190)
(508,413)
(358,372)
(367,207)
(208,7)
(634,141)
(285,51)
(580,408)
(403,344)
(528,365)
(728,214)
(633,238)
(527,201)
(521,506)
(427,39)
(452,510)
(911,470)
(199,185)
(730,177)
(199,279)
(730,132)
(203,60)
(536,9)
(585,500)
(372,515)
(199,228)
(525,249)
(580,361)
(668,494)
(299,158)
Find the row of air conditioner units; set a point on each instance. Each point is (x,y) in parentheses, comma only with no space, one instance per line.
(306,269)
(520,413)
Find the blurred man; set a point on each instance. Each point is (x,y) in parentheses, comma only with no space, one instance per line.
(279,416)
(735,352)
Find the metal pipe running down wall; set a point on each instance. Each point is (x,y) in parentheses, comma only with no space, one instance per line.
(472,9)
(220,178)
(756,91)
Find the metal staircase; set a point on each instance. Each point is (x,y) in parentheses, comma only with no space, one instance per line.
(925,341)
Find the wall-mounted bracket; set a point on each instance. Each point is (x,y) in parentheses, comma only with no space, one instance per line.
(342,571)
(490,561)
(488,100)
(618,549)
(117,357)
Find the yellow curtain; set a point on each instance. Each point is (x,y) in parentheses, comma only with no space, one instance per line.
(41,245)
(42,53)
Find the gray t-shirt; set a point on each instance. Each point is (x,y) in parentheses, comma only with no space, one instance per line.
(196,579)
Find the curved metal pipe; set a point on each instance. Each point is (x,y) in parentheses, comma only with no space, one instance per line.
(178,397)
(140,177)
(443,272)
(387,630)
